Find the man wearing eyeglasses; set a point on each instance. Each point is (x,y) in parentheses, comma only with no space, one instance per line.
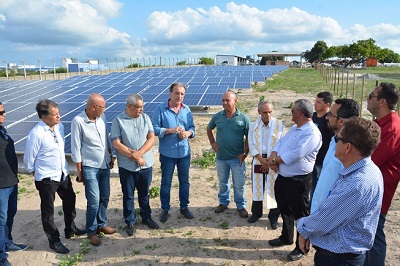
(132,135)
(45,158)
(91,152)
(341,110)
(382,104)
(343,227)
(293,158)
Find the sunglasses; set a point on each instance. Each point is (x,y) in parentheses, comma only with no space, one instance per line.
(2,112)
(341,139)
(370,96)
(329,114)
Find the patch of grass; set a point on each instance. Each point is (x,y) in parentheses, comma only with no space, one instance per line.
(22,190)
(154,192)
(60,212)
(207,160)
(224,225)
(151,247)
(221,241)
(190,233)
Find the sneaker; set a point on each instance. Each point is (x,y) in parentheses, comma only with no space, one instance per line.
(163,216)
(16,247)
(5,262)
(186,213)
(220,208)
(243,213)
(131,230)
(151,224)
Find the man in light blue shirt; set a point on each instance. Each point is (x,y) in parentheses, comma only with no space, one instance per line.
(343,227)
(132,135)
(91,152)
(173,124)
(45,158)
(340,111)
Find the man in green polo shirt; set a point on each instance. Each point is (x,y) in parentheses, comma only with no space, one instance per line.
(232,148)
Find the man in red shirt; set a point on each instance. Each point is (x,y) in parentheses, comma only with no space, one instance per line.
(382,103)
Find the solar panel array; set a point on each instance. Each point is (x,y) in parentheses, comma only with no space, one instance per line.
(206,85)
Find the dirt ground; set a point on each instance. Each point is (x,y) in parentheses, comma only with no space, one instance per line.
(208,239)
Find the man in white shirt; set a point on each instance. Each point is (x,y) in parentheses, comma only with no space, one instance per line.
(45,158)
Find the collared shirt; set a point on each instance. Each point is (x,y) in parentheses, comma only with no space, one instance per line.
(44,152)
(298,149)
(8,160)
(346,221)
(230,133)
(170,145)
(387,156)
(90,142)
(132,132)
(329,174)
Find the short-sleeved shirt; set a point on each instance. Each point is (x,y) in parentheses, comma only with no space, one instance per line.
(230,133)
(132,132)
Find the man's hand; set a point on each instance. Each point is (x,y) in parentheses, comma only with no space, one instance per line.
(214,146)
(304,244)
(111,164)
(79,178)
(241,158)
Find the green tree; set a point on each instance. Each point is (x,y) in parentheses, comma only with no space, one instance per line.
(206,61)
(317,52)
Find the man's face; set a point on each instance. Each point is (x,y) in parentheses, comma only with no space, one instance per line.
(99,107)
(177,94)
(53,118)
(320,105)
(137,109)
(296,114)
(341,147)
(332,117)
(373,102)
(229,101)
(266,112)
(2,116)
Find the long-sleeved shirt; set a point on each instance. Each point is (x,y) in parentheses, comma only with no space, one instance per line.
(346,221)
(387,156)
(170,145)
(8,160)
(44,152)
(329,174)
(90,144)
(298,149)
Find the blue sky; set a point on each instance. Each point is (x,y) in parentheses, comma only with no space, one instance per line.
(48,30)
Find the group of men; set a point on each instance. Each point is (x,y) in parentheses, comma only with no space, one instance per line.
(327,152)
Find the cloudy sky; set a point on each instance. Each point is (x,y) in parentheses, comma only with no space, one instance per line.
(48,30)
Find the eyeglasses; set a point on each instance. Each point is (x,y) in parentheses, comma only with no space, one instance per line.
(137,106)
(370,96)
(341,139)
(101,107)
(2,112)
(329,114)
(54,136)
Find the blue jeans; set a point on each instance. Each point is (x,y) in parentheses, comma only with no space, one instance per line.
(377,254)
(224,167)
(8,209)
(97,191)
(140,180)
(167,169)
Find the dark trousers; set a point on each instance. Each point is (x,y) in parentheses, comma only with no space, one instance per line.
(257,208)
(292,195)
(47,190)
(140,180)
(324,257)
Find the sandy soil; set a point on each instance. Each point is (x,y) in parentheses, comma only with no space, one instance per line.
(208,239)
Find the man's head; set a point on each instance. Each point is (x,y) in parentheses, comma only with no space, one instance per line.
(177,93)
(47,110)
(340,111)
(265,110)
(323,102)
(383,99)
(302,111)
(229,101)
(2,114)
(134,105)
(95,105)
(358,138)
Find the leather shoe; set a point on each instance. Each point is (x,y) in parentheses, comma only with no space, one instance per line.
(186,213)
(252,219)
(278,242)
(59,247)
(76,232)
(106,230)
(131,230)
(151,224)
(295,255)
(94,239)
(163,216)
(243,213)
(220,208)
(274,226)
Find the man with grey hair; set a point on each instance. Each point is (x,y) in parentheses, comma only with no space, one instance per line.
(132,136)
(263,136)
(293,158)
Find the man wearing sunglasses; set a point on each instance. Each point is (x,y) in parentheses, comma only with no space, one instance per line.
(382,105)
(343,227)
(45,158)
(341,110)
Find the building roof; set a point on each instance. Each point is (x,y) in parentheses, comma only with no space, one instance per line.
(280,54)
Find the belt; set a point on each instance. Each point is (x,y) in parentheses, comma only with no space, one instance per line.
(299,178)
(264,155)
(344,256)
